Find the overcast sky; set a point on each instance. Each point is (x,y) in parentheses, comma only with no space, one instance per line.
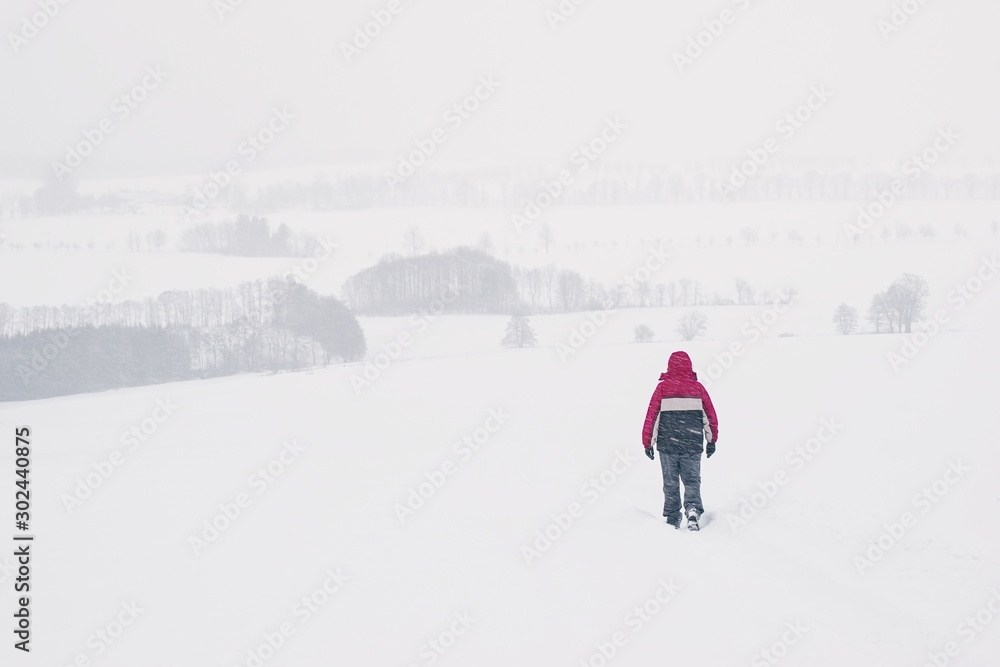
(612,58)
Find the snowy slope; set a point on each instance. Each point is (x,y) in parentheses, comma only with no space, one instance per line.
(334,507)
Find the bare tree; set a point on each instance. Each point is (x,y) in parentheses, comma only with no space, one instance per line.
(695,293)
(692,325)
(686,285)
(744,293)
(157,239)
(880,312)
(486,243)
(597,297)
(643,291)
(846,319)
(571,288)
(521,283)
(619,295)
(548,281)
(533,279)
(908,295)
(674,293)
(545,236)
(519,332)
(6,318)
(413,240)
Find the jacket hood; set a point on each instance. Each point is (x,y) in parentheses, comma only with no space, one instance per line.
(679,366)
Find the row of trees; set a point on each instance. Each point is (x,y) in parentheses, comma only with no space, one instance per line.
(552,289)
(519,332)
(905,232)
(247,236)
(893,310)
(545,238)
(900,232)
(612,184)
(69,361)
(512,187)
(264,325)
(616,185)
(468,280)
(254,303)
(223,238)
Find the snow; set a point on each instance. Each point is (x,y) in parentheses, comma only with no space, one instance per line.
(449,502)
(604,244)
(332,511)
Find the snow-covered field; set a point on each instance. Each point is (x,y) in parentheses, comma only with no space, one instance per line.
(446,501)
(451,502)
(537,539)
(603,244)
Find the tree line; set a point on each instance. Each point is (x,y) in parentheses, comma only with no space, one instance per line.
(264,325)
(508,186)
(893,310)
(246,236)
(464,280)
(468,280)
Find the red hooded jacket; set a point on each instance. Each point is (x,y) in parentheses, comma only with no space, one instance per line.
(680,408)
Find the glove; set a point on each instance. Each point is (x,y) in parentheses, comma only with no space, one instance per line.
(710,449)
(649,453)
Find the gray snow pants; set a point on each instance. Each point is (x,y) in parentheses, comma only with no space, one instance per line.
(684,467)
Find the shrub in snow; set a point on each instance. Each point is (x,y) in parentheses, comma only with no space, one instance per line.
(846,319)
(692,325)
(643,334)
(519,333)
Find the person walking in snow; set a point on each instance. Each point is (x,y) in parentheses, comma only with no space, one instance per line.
(679,416)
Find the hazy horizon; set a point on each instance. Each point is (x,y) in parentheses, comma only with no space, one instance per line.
(224,76)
